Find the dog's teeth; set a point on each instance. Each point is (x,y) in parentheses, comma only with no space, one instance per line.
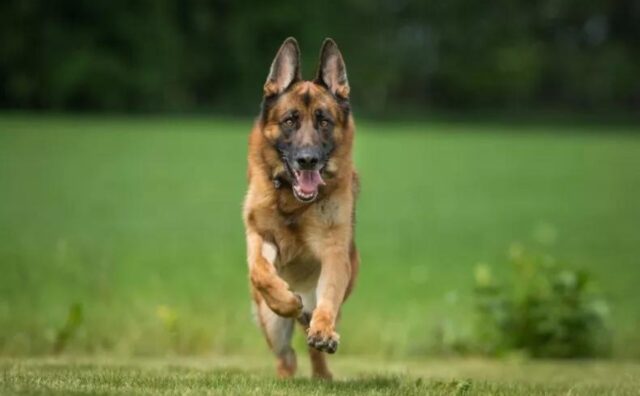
(303,196)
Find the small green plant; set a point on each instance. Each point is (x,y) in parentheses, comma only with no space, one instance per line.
(544,309)
(64,334)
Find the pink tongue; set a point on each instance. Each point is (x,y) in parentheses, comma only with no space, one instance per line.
(308,181)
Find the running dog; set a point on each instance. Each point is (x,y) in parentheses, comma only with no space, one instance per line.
(299,211)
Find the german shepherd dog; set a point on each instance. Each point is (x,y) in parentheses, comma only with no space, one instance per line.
(300,206)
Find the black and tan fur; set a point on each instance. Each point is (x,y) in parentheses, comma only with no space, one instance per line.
(301,253)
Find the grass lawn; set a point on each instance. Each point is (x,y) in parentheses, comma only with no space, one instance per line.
(136,221)
(244,376)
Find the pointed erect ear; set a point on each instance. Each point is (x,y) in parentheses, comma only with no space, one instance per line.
(285,69)
(332,73)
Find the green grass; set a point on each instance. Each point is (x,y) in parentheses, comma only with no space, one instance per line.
(242,376)
(138,221)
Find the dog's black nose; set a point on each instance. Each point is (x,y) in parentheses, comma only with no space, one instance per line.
(307,159)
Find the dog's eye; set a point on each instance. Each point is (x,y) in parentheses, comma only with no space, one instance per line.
(323,123)
(289,122)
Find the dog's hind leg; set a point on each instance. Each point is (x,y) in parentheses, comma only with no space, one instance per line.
(278,332)
(319,368)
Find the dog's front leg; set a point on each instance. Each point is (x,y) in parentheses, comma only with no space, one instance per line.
(330,292)
(274,290)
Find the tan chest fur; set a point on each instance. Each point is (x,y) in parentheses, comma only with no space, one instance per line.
(298,232)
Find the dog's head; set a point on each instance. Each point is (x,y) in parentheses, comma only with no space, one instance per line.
(306,122)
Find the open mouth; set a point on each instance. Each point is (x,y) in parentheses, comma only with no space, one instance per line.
(306,184)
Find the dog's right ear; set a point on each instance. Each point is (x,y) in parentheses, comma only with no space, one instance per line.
(285,69)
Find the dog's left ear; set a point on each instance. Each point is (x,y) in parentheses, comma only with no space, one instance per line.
(332,72)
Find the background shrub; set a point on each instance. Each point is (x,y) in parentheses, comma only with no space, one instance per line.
(545,308)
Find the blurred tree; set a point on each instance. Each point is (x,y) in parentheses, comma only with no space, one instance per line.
(407,55)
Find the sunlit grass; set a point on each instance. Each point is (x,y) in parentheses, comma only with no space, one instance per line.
(243,376)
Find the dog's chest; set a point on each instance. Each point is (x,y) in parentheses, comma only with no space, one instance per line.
(296,263)
(301,273)
(298,234)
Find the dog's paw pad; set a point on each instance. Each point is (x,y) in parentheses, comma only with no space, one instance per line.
(332,346)
(304,319)
(325,343)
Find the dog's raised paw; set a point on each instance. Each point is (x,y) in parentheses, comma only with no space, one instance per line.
(295,306)
(289,307)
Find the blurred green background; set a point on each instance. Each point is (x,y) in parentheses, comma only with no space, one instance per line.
(123,139)
(402,55)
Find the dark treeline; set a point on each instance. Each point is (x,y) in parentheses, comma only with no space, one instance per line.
(192,55)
